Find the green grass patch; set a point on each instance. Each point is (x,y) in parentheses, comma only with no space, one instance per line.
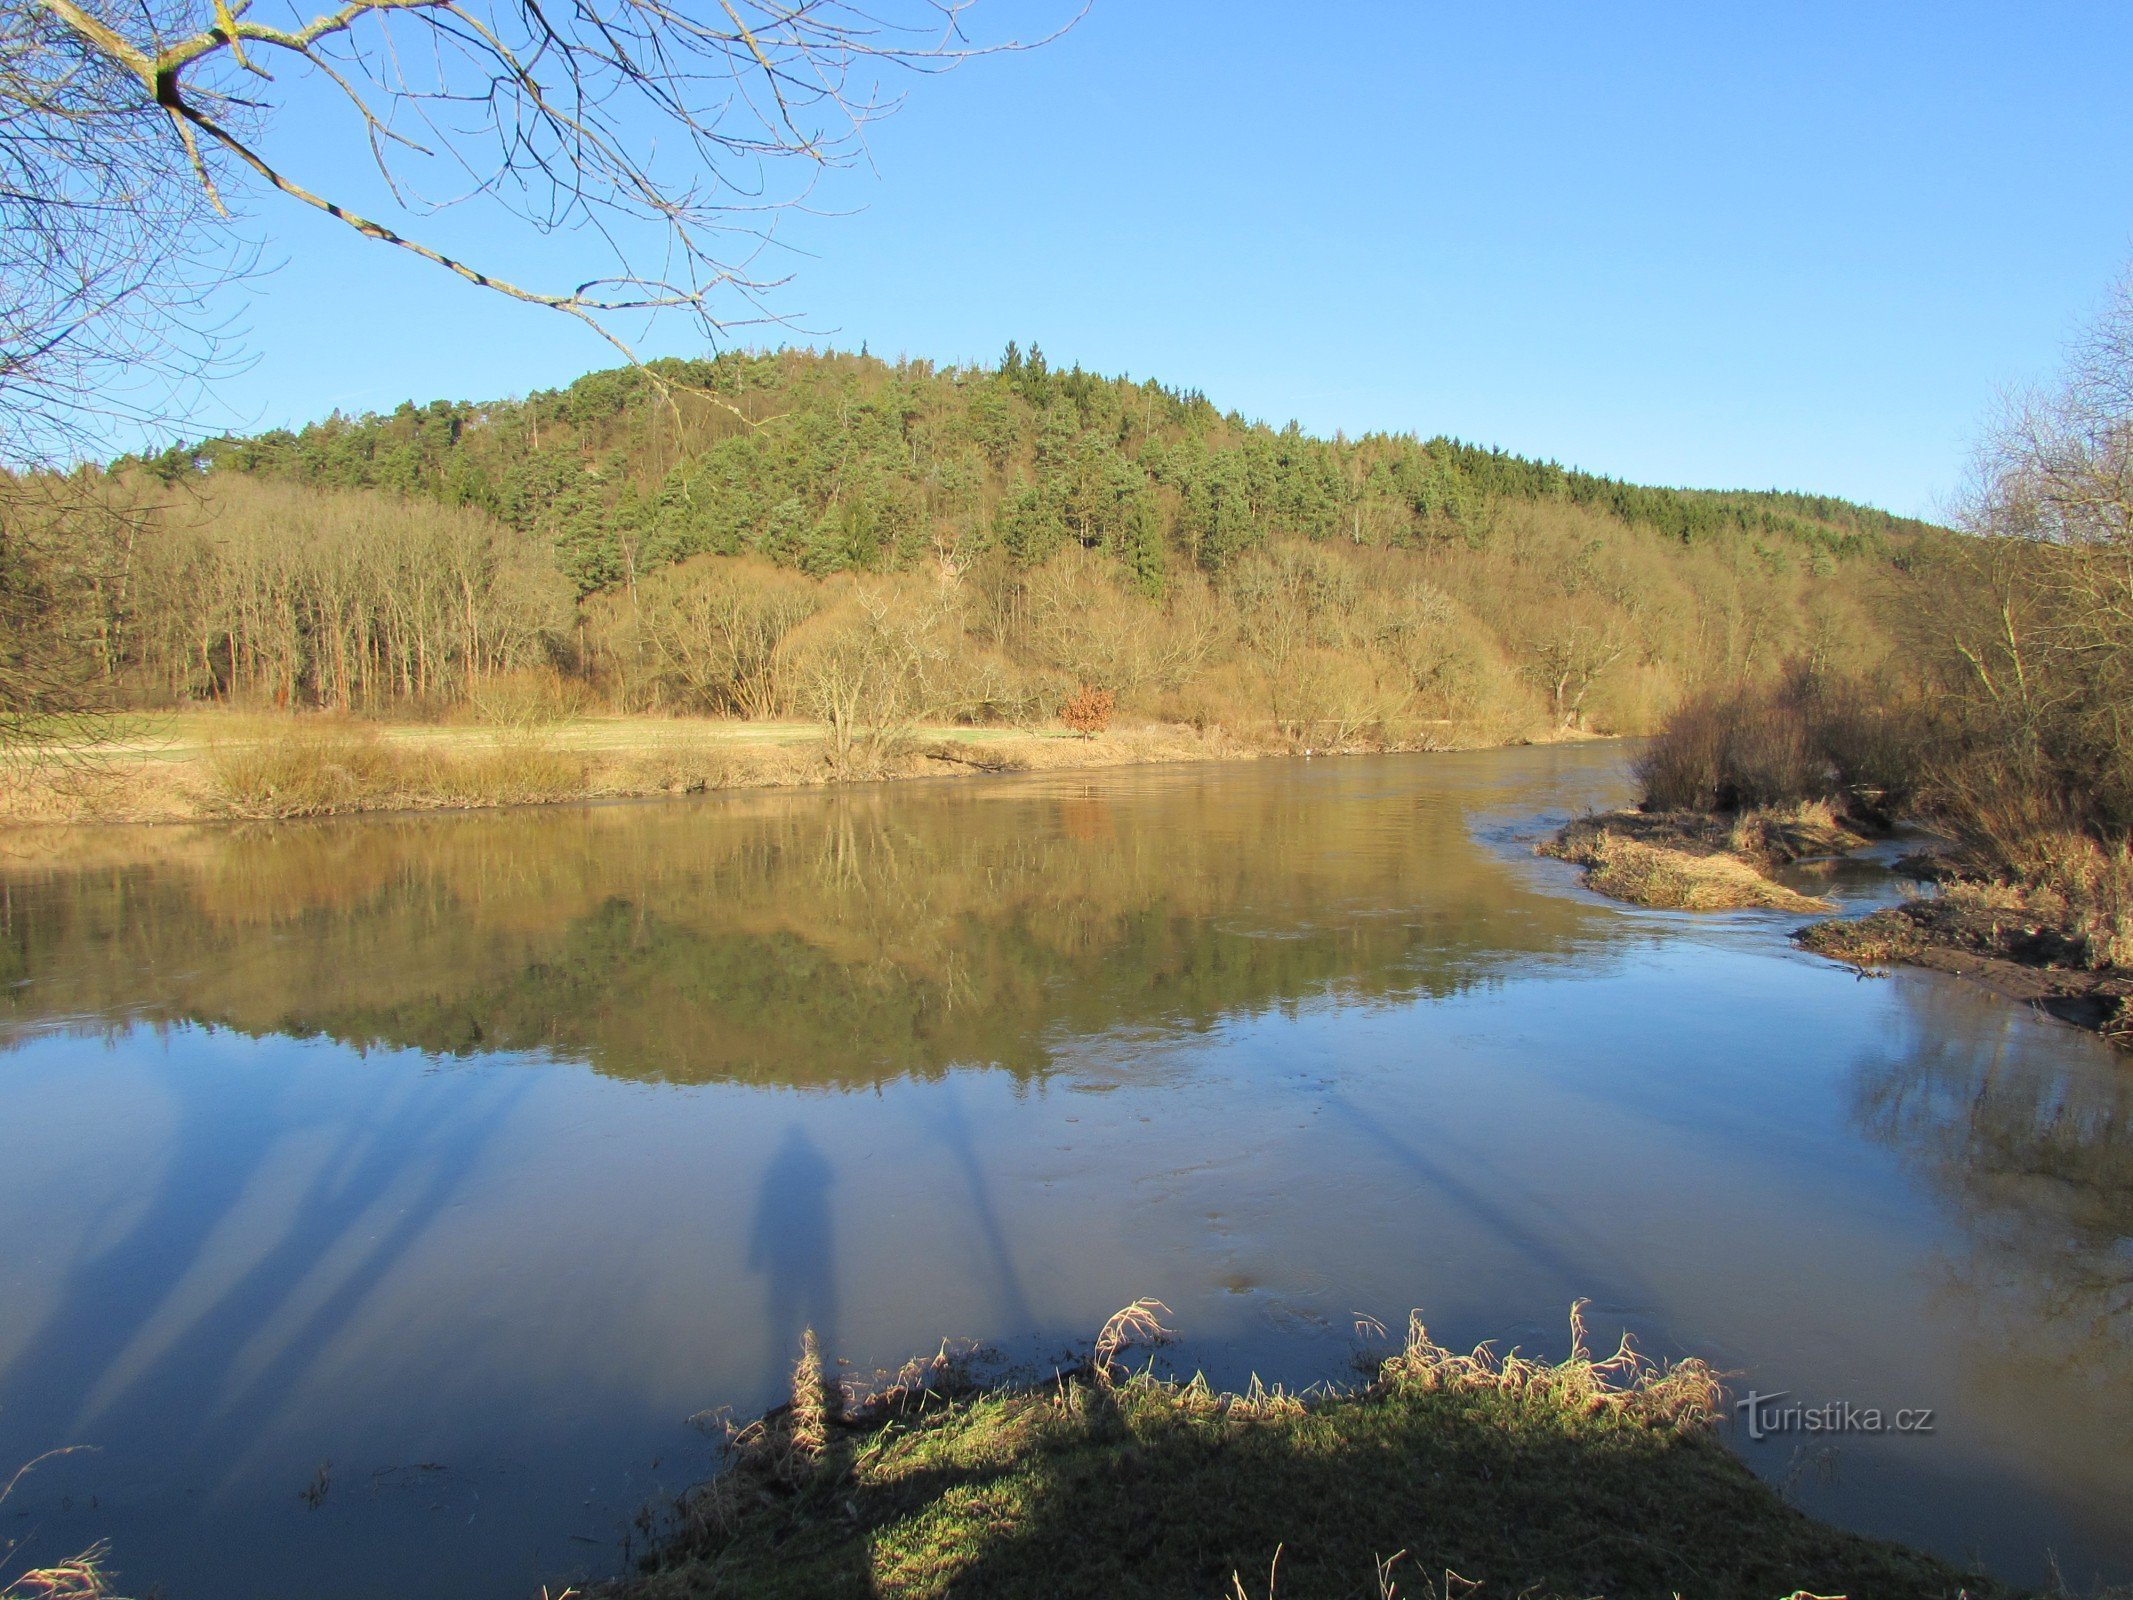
(1444,1475)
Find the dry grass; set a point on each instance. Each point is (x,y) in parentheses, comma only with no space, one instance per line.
(1771,836)
(1670,865)
(2028,944)
(815,1405)
(1680,1395)
(321,768)
(2072,882)
(254,766)
(1877,940)
(1137,1324)
(81,1577)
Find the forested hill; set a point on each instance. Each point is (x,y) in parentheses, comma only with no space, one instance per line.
(841,462)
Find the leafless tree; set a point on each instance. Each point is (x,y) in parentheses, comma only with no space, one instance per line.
(720,634)
(870,675)
(672,132)
(104,256)
(2052,656)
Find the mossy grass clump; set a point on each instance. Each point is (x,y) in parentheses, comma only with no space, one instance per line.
(1484,1474)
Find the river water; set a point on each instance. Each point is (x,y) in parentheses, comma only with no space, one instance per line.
(380,1198)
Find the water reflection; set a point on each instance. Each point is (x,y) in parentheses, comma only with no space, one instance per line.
(845,939)
(2038,1162)
(2030,1148)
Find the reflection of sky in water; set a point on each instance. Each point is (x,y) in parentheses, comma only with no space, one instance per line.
(488,1287)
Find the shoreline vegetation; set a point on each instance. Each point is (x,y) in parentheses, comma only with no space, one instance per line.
(1996,718)
(660,580)
(1438,1473)
(1703,861)
(2023,895)
(216,766)
(1993,935)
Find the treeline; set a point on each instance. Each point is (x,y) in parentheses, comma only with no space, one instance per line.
(833,463)
(265,594)
(872,546)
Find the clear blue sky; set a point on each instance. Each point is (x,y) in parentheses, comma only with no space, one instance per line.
(1796,245)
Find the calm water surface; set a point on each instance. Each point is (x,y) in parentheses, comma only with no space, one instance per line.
(449,1164)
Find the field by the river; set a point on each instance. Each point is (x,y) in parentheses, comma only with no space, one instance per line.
(204,765)
(209,764)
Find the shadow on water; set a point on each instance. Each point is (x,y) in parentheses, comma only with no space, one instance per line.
(950,1124)
(792,1244)
(174,1309)
(1556,1244)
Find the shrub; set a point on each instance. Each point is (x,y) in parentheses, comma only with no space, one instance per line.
(1808,737)
(314,768)
(1088,711)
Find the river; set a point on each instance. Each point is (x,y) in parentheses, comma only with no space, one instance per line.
(380,1199)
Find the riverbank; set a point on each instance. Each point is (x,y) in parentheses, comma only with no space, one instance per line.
(234,766)
(1996,936)
(1444,1474)
(1702,861)
(2026,945)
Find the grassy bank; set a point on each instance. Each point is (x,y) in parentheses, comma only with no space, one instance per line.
(217,765)
(1444,1474)
(203,766)
(1702,861)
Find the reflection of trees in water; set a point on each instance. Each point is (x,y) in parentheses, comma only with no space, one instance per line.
(2028,1135)
(787,938)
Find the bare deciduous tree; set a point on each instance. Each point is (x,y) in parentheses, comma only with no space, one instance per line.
(2051,656)
(103,254)
(870,676)
(608,115)
(719,631)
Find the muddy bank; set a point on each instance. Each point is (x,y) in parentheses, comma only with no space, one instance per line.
(1985,934)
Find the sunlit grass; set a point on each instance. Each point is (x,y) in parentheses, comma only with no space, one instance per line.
(1588,1476)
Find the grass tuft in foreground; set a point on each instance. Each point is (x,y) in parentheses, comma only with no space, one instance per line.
(81,1577)
(1477,1474)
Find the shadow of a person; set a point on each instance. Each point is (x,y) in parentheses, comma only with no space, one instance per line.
(791,1243)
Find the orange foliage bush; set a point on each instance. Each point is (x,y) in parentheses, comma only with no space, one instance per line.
(1088,711)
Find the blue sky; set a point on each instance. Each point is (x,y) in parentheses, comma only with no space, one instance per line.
(1797,246)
